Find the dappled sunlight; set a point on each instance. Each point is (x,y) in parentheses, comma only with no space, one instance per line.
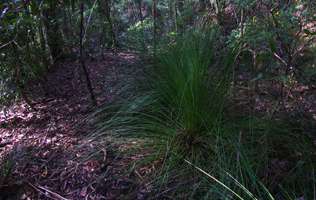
(157,99)
(46,146)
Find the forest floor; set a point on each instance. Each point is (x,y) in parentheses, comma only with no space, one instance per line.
(45,153)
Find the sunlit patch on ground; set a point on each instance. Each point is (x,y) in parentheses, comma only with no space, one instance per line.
(44,150)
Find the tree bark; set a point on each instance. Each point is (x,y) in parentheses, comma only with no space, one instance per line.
(54,36)
(44,42)
(82,61)
(107,7)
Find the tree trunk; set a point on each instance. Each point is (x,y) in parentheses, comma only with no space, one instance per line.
(44,42)
(107,8)
(141,17)
(54,37)
(82,61)
(170,13)
(175,20)
(154,13)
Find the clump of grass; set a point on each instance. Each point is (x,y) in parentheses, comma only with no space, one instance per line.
(179,107)
(266,159)
(238,178)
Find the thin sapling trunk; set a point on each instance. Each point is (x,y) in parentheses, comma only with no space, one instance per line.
(82,61)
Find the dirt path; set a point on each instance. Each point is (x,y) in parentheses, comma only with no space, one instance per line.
(40,154)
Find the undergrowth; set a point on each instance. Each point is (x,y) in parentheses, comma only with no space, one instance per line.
(181,109)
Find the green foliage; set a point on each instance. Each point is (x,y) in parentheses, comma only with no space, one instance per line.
(181,107)
(139,26)
(21,54)
(6,167)
(278,34)
(138,36)
(181,104)
(181,110)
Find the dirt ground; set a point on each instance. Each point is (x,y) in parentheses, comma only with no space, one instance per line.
(45,152)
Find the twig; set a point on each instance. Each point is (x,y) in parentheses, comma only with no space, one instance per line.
(138,174)
(2,46)
(41,189)
(52,193)
(280,59)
